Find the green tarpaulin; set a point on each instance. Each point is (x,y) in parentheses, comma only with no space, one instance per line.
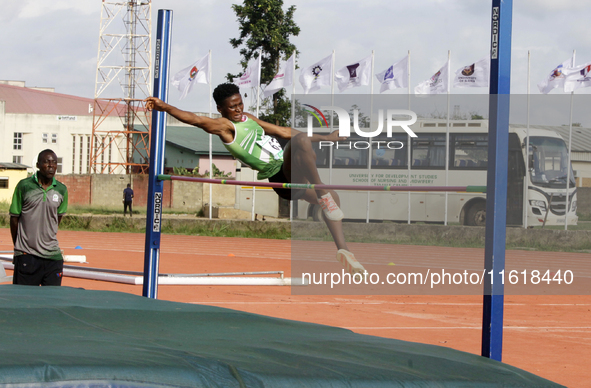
(67,337)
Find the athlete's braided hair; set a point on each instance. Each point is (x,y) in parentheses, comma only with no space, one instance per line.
(223,91)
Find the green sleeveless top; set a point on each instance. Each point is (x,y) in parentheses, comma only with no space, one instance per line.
(256,149)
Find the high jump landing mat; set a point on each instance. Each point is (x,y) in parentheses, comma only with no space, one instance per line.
(70,337)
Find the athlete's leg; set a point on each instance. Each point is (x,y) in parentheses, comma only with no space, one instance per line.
(299,163)
(335,227)
(299,166)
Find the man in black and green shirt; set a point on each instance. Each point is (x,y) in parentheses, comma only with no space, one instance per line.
(37,207)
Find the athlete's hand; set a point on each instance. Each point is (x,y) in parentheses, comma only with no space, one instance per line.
(334,136)
(154,103)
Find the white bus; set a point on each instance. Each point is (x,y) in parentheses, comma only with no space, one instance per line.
(545,176)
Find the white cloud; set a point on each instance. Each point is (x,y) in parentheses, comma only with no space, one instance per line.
(36,8)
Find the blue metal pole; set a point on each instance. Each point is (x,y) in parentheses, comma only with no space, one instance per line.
(496,197)
(157,142)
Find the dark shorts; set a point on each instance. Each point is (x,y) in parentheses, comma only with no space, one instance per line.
(30,270)
(289,194)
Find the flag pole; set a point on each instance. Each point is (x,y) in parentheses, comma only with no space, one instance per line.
(409,139)
(258,88)
(331,116)
(259,81)
(447,133)
(369,157)
(292,118)
(568,167)
(526,183)
(210,141)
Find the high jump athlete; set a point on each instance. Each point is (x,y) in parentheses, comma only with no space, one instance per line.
(252,141)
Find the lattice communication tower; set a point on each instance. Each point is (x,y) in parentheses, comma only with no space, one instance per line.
(123,81)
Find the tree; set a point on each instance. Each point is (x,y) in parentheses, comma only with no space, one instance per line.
(265,25)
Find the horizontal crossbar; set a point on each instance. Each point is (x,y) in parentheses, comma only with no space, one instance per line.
(468,189)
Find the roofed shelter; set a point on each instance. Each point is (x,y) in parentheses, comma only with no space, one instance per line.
(10,175)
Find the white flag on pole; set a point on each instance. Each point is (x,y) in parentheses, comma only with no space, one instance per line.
(577,77)
(250,77)
(437,84)
(317,75)
(282,79)
(198,72)
(354,75)
(474,75)
(556,77)
(394,77)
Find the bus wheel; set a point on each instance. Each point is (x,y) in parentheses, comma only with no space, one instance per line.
(317,213)
(477,214)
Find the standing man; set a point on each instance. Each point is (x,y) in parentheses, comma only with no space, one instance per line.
(127,200)
(250,140)
(37,207)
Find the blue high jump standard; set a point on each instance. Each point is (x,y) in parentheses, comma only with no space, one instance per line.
(157,146)
(496,201)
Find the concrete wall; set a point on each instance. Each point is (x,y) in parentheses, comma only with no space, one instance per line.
(79,188)
(107,191)
(583,171)
(584,201)
(187,195)
(223,195)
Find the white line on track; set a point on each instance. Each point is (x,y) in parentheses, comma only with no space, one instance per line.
(386,302)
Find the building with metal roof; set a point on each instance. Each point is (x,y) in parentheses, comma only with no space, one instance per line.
(34,119)
(188,147)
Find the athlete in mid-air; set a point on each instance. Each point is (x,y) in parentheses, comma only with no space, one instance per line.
(252,141)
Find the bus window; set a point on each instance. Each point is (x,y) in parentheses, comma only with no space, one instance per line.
(321,155)
(346,155)
(428,151)
(549,158)
(386,156)
(470,151)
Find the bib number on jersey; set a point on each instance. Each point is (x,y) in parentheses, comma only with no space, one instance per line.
(272,146)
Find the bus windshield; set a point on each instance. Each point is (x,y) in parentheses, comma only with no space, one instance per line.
(548,159)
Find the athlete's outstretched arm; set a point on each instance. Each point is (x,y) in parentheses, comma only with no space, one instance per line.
(219,126)
(288,133)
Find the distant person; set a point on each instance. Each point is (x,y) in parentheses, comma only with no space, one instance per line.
(250,140)
(37,207)
(127,200)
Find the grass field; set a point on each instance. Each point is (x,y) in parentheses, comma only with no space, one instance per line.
(82,218)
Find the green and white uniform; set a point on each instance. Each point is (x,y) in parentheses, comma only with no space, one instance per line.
(38,211)
(256,149)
